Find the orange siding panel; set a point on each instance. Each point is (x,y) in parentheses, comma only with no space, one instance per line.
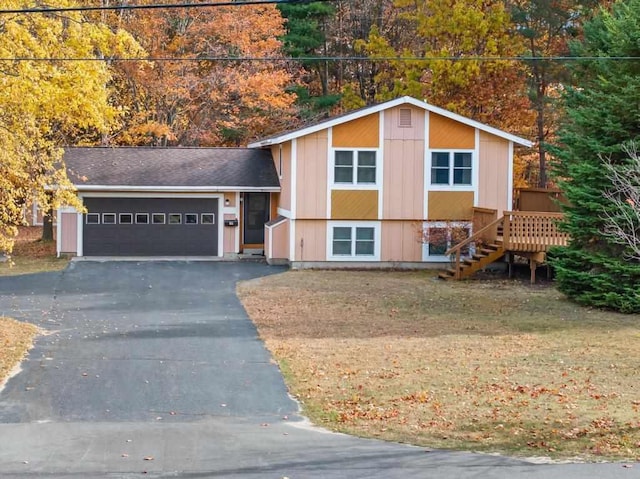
(311,240)
(354,204)
(69,243)
(393,130)
(403,190)
(311,177)
(401,241)
(493,187)
(450,205)
(360,133)
(446,133)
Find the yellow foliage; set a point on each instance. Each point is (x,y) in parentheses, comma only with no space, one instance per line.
(47,98)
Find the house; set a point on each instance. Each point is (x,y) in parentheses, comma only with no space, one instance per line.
(394,184)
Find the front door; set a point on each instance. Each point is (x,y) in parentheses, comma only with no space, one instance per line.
(256,214)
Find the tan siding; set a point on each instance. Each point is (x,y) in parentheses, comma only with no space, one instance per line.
(232,199)
(403,187)
(285,180)
(446,133)
(280,247)
(69,243)
(450,205)
(392,130)
(401,241)
(354,204)
(360,133)
(311,240)
(311,177)
(493,187)
(229,235)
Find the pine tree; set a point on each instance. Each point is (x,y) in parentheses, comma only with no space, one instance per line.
(602,115)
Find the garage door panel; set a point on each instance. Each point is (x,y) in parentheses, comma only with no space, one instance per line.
(151,239)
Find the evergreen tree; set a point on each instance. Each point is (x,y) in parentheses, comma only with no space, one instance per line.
(602,115)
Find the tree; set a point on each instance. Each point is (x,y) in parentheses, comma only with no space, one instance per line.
(546,27)
(46,103)
(601,117)
(195,100)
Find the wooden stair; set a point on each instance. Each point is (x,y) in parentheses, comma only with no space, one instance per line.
(482,258)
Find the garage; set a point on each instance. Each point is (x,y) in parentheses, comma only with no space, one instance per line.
(150,226)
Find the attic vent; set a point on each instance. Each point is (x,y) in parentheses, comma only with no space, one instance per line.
(405,118)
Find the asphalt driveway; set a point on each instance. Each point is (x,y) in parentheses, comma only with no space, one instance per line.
(152,369)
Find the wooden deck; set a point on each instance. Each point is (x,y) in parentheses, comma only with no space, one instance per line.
(528,234)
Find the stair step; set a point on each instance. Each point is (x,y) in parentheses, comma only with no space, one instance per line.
(446,275)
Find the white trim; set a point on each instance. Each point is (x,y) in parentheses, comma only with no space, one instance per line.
(427,166)
(380,164)
(176,189)
(509,204)
(270,235)
(59,231)
(294,177)
(384,106)
(330,157)
(236,230)
(377,240)
(80,233)
(280,163)
(283,212)
(475,169)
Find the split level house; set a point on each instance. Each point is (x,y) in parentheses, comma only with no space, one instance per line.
(394,184)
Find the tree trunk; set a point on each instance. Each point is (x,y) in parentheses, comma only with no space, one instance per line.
(47,226)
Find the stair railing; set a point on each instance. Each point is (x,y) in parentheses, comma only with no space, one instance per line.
(486,234)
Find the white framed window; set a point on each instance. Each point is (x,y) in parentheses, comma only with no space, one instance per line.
(353,241)
(439,236)
(207,218)
(191,218)
(452,168)
(126,218)
(175,218)
(93,218)
(355,167)
(108,218)
(158,218)
(142,218)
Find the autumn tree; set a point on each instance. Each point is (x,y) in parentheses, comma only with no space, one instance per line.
(547,26)
(452,59)
(204,96)
(601,118)
(44,103)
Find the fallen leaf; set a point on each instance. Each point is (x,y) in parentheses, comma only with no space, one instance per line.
(148,458)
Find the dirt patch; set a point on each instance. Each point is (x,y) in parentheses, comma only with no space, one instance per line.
(495,365)
(16,338)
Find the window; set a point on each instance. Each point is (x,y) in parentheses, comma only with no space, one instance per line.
(142,218)
(158,218)
(109,218)
(207,218)
(93,218)
(355,167)
(126,218)
(357,242)
(191,218)
(441,236)
(451,168)
(175,218)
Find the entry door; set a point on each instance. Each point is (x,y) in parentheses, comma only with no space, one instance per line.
(256,214)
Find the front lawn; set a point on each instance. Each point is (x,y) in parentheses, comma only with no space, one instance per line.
(481,365)
(16,339)
(31,254)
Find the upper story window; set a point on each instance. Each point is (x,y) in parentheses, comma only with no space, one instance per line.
(355,167)
(451,168)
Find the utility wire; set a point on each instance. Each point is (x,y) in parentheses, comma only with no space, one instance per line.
(316,59)
(156,6)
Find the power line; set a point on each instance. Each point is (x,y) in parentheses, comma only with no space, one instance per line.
(156,6)
(318,59)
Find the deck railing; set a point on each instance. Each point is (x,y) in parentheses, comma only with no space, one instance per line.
(530,231)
